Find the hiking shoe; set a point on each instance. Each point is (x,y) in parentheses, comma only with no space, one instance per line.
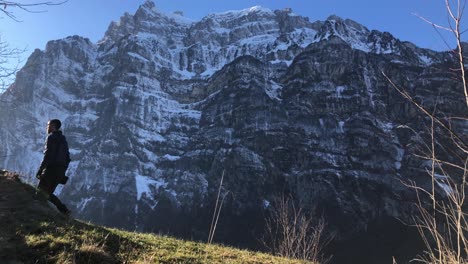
(66,212)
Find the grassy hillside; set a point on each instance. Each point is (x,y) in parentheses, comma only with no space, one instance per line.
(32,231)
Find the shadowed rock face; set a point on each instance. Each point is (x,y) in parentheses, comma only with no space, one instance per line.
(163,106)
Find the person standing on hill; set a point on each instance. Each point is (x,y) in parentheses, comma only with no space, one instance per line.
(54,164)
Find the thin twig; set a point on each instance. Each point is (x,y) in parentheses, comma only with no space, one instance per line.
(406,95)
(4,5)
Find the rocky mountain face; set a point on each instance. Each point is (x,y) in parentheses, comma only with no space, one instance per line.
(163,107)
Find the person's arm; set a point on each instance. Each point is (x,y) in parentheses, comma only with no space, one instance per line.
(67,152)
(49,147)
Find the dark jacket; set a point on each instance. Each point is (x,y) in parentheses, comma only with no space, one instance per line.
(56,152)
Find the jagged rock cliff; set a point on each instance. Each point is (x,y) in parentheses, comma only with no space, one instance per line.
(163,106)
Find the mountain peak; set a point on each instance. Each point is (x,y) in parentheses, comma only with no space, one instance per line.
(347,22)
(253,9)
(148,4)
(244,12)
(147,19)
(148,7)
(148,12)
(258,8)
(334,17)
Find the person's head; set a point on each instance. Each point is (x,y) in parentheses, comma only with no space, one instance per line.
(53,125)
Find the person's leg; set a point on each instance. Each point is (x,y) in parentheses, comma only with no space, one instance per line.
(44,189)
(47,186)
(59,173)
(60,206)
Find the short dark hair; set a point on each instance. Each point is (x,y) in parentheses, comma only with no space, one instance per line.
(57,124)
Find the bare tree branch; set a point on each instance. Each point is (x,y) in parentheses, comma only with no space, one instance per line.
(10,57)
(444,225)
(457,31)
(4,5)
(432,23)
(459,141)
(9,64)
(291,233)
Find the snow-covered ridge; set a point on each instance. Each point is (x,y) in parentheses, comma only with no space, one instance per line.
(194,49)
(235,14)
(219,38)
(358,36)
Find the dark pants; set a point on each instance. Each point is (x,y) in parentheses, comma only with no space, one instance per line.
(49,182)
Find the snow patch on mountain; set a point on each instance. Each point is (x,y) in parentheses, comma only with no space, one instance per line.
(228,16)
(273,90)
(144,184)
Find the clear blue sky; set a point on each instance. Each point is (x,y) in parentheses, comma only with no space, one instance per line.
(90,18)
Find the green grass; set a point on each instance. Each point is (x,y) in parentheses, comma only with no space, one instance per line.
(85,243)
(33,232)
